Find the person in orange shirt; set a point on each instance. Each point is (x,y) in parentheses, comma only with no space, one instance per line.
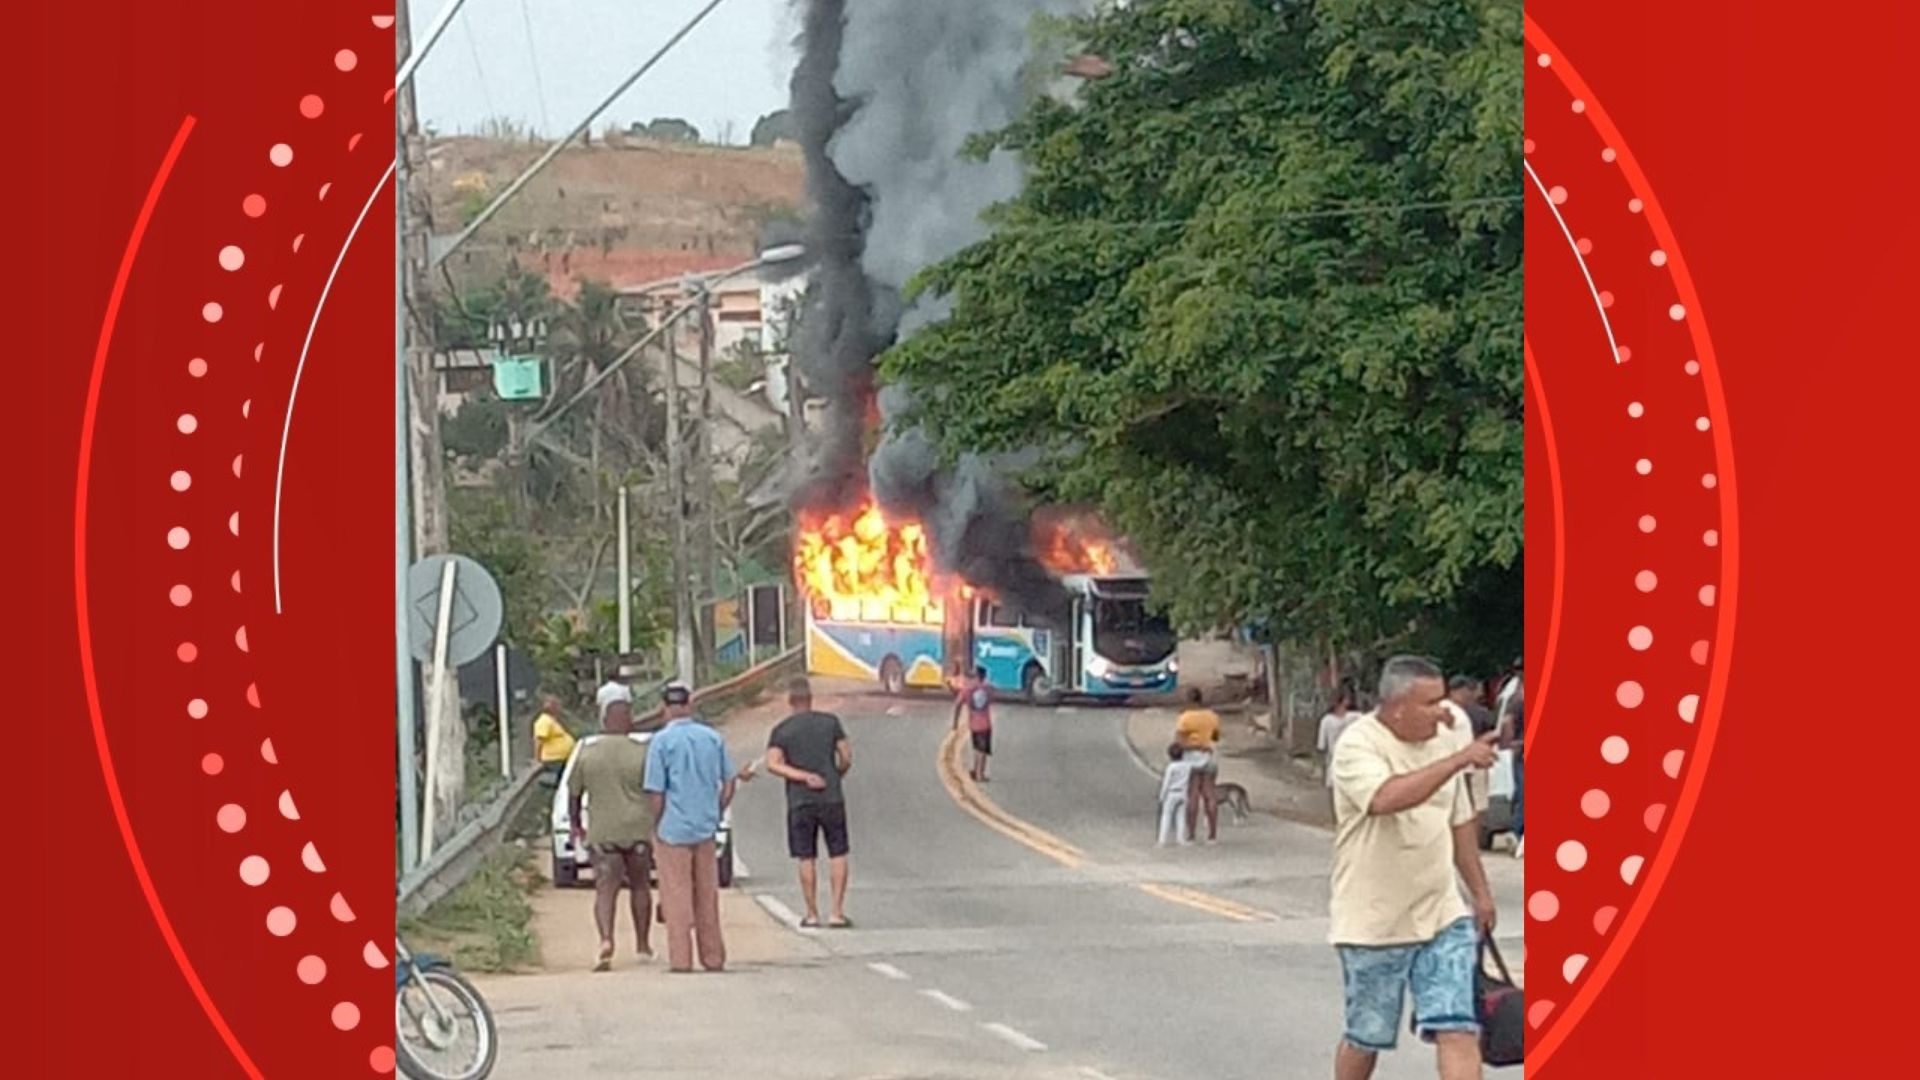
(1198,733)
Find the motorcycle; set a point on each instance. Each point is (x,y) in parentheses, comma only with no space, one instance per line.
(443,1028)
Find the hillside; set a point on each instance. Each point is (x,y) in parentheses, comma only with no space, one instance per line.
(623,209)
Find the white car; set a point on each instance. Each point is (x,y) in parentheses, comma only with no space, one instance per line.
(1498,816)
(573,865)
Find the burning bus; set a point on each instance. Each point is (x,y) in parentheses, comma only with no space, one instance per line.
(879,610)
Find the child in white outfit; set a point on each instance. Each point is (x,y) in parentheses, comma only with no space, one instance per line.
(1173,797)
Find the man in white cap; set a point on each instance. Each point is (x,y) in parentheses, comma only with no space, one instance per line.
(618,687)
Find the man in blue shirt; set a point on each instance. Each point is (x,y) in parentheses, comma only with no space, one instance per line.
(690,782)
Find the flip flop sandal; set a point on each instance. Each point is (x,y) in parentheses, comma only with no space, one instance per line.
(809,923)
(840,924)
(605,963)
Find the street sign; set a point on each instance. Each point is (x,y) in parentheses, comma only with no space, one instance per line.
(473,621)
(519,378)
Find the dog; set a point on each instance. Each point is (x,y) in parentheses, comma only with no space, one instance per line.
(1233,797)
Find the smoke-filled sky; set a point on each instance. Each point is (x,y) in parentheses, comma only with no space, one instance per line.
(733,69)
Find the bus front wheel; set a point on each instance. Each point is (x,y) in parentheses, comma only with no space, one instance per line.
(893,677)
(1039,689)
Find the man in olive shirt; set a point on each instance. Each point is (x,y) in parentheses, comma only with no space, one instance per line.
(1405,836)
(810,751)
(609,772)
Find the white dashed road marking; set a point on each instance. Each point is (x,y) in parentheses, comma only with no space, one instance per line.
(948,1000)
(1092,1073)
(1018,1039)
(781,912)
(889,971)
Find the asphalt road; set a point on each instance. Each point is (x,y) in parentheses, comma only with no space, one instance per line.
(1059,929)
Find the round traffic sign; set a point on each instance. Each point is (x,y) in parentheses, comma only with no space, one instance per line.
(473,620)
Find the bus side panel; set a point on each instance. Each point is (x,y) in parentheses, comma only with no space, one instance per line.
(829,653)
(1005,653)
(856,650)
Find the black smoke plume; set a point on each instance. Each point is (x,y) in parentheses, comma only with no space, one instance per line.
(885,94)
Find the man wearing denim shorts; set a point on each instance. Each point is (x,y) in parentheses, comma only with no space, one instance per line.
(1405,828)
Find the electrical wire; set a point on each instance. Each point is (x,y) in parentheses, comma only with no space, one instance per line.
(1151,224)
(479,71)
(533,54)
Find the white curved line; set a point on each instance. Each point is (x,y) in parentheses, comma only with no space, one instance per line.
(286,427)
(1581,259)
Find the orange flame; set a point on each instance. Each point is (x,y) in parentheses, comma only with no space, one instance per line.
(860,566)
(1075,544)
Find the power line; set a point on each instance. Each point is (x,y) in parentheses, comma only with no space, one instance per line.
(416,54)
(1199,220)
(480,72)
(560,144)
(533,54)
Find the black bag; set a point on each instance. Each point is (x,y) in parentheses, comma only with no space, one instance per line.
(1503,1010)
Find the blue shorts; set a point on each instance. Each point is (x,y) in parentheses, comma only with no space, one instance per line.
(1440,973)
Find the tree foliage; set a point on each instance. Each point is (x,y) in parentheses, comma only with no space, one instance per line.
(668,129)
(772,128)
(1260,300)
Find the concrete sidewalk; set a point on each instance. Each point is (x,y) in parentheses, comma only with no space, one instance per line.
(783,1009)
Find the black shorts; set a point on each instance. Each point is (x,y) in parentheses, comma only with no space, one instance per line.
(983,741)
(806,823)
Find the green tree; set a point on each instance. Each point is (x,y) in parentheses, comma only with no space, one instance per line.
(668,129)
(1261,301)
(478,431)
(773,127)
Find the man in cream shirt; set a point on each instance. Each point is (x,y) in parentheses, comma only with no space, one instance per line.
(1406,838)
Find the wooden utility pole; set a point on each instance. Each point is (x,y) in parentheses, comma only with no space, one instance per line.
(447,788)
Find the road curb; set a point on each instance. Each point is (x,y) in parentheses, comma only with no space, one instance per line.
(1140,759)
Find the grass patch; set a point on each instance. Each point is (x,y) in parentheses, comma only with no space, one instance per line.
(487,923)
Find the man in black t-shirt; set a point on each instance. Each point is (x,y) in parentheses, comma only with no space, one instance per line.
(810,751)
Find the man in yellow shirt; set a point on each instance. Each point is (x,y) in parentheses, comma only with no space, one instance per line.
(552,742)
(1198,733)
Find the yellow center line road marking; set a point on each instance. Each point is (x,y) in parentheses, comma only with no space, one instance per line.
(968,796)
(1207,902)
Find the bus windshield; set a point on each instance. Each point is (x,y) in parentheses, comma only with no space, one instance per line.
(1125,632)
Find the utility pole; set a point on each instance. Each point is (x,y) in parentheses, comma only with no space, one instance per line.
(447,787)
(626,580)
(404,721)
(677,497)
(708,592)
(792,619)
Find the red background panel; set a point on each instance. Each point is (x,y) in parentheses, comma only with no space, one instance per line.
(1777,141)
(233,917)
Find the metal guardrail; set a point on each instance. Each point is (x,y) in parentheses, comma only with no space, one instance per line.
(455,859)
